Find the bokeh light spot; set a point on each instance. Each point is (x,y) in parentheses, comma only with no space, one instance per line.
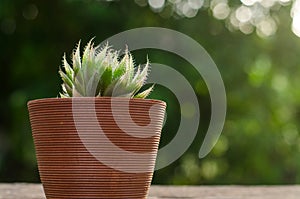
(266,27)
(196,4)
(249,2)
(8,26)
(246,28)
(141,3)
(156,4)
(243,14)
(221,11)
(280,82)
(189,11)
(30,12)
(295,13)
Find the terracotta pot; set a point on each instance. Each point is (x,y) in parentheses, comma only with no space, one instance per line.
(89,147)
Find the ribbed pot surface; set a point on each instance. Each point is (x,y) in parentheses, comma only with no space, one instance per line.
(85,150)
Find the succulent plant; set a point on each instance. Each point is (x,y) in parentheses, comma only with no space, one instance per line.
(103,72)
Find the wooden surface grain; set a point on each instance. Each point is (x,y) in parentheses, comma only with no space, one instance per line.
(35,191)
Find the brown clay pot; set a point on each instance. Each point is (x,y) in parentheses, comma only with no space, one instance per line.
(85,150)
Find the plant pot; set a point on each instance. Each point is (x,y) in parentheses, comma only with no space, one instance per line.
(96,147)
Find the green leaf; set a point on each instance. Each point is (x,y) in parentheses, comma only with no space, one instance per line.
(145,93)
(100,73)
(76,58)
(92,85)
(120,70)
(88,61)
(67,90)
(78,88)
(121,87)
(106,78)
(67,67)
(62,95)
(65,78)
(142,76)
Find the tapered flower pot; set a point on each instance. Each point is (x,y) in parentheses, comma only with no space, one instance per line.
(96,147)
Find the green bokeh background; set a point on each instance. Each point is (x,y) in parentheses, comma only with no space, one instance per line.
(260,141)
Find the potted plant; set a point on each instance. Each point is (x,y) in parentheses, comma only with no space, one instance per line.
(100,138)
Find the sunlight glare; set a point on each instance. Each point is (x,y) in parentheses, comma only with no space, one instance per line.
(295,13)
(296,24)
(156,4)
(249,2)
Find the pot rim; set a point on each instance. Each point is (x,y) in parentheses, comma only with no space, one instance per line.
(94,99)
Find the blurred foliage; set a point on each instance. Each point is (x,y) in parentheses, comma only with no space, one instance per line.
(247,16)
(260,143)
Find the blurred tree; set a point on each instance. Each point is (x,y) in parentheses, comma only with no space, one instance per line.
(260,142)
(247,16)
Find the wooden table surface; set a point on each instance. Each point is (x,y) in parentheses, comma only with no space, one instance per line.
(35,191)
